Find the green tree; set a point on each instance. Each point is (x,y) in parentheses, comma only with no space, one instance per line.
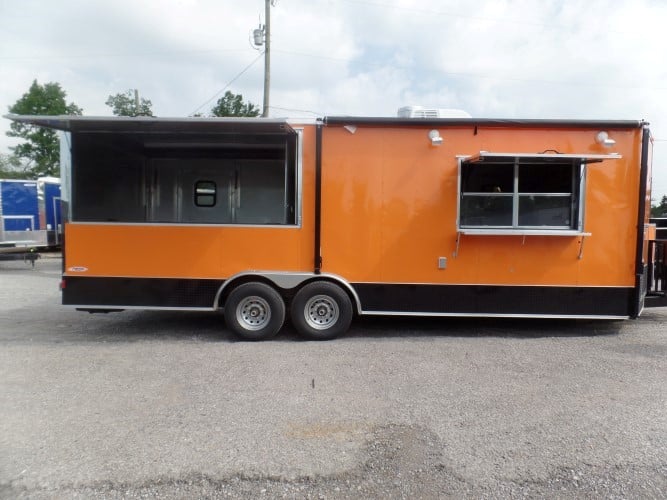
(125,104)
(661,209)
(232,105)
(12,168)
(41,149)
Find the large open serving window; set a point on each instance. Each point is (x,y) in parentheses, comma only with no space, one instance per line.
(181,171)
(523,193)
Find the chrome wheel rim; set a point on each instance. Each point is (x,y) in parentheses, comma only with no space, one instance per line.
(253,313)
(321,312)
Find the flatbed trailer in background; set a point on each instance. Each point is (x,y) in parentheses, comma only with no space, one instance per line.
(324,220)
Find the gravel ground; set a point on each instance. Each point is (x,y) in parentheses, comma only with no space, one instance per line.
(169,405)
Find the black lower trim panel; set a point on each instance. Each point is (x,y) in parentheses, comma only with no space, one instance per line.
(495,300)
(374,297)
(140,292)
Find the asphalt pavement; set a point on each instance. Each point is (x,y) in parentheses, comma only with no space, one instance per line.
(143,404)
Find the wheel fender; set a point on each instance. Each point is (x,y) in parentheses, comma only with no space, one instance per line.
(285,281)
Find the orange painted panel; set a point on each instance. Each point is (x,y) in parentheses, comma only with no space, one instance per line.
(182,251)
(390,206)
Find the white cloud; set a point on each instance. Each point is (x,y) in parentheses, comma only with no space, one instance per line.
(495,58)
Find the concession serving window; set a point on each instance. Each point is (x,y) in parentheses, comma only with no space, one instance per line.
(524,193)
(181,170)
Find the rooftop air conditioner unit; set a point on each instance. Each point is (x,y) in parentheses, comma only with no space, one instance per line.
(421,112)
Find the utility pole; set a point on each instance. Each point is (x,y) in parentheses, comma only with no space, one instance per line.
(267,57)
(262,36)
(136,102)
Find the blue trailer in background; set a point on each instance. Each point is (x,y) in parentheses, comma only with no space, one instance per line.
(48,204)
(29,214)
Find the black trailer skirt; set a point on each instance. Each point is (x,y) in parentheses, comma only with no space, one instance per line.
(374,298)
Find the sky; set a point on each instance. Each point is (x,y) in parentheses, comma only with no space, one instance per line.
(556,59)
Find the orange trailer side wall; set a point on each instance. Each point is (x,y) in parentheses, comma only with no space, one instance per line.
(389,208)
(195,251)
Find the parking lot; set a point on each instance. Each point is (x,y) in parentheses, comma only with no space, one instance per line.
(171,405)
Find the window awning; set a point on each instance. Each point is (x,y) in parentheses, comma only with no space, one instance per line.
(72,123)
(550,157)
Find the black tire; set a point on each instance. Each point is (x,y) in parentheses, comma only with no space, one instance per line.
(254,311)
(321,311)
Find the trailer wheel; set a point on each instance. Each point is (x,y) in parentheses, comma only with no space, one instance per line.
(321,311)
(254,311)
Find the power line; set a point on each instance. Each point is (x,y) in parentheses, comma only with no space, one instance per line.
(129,55)
(298,110)
(578,83)
(431,12)
(229,83)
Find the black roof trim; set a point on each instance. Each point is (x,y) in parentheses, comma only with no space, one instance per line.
(152,124)
(74,123)
(482,122)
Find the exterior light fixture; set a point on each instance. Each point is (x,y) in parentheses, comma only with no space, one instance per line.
(603,138)
(435,138)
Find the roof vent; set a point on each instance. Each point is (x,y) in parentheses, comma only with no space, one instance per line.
(422,112)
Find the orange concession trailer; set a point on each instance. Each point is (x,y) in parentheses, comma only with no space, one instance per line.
(324,220)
